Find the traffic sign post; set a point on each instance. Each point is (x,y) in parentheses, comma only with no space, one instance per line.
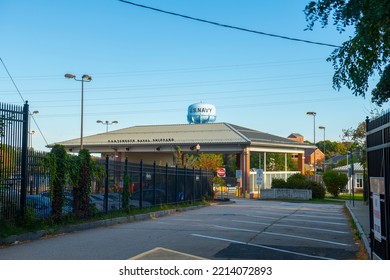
(259,180)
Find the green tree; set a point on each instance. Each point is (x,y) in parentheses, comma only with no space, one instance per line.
(8,157)
(56,161)
(357,136)
(334,182)
(365,53)
(209,162)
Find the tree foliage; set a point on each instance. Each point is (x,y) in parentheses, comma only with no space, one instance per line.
(357,136)
(81,191)
(364,54)
(334,182)
(56,161)
(209,162)
(8,157)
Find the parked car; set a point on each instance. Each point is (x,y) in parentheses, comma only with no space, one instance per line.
(98,201)
(133,203)
(148,196)
(68,203)
(40,205)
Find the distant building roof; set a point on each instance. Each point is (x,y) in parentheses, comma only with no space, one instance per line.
(185,134)
(335,159)
(295,135)
(358,167)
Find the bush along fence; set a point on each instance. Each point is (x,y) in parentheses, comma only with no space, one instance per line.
(60,185)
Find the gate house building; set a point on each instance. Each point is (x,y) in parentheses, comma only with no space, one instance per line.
(157,143)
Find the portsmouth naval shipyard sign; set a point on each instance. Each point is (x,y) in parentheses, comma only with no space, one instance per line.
(154,140)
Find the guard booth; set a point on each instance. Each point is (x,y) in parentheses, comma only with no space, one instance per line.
(378,163)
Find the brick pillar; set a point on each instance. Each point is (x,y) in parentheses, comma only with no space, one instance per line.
(301,163)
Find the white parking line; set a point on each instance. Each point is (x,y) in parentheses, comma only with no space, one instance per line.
(286,235)
(290,226)
(307,238)
(313,221)
(322,217)
(260,246)
(265,217)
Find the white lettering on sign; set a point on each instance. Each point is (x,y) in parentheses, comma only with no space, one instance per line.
(201,110)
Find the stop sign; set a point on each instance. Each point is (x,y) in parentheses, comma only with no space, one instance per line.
(221,172)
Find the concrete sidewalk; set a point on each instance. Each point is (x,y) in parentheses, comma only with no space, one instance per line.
(360,213)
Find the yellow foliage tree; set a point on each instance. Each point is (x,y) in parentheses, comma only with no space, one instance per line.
(210,162)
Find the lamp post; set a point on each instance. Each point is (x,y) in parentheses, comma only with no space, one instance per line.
(324,128)
(84,78)
(315,159)
(107,123)
(29,128)
(30,133)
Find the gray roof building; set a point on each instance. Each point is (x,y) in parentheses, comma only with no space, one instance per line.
(157,143)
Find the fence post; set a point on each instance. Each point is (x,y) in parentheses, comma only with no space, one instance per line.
(24,167)
(141,196)
(154,183)
(200,181)
(106,186)
(176,185)
(193,185)
(185,184)
(166,183)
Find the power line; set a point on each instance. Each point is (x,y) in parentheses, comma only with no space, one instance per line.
(12,80)
(17,89)
(230,26)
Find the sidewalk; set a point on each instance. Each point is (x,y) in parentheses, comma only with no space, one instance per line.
(360,213)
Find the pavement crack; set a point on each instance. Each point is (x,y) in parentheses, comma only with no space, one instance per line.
(271,224)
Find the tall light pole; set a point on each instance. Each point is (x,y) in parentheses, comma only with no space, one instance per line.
(84,78)
(29,128)
(107,123)
(315,159)
(324,128)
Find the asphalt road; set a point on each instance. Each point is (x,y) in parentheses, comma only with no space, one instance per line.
(244,230)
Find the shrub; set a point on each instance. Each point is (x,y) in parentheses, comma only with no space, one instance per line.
(334,182)
(278,184)
(317,190)
(297,181)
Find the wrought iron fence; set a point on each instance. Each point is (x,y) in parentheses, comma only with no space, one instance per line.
(24,179)
(378,163)
(13,159)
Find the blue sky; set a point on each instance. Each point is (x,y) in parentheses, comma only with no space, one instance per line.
(148,67)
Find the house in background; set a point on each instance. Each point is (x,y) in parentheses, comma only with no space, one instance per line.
(311,154)
(356,179)
(296,137)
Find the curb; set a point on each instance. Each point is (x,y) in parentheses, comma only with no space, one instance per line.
(363,236)
(29,236)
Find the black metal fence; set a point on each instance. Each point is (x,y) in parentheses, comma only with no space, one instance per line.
(13,158)
(24,179)
(159,184)
(378,161)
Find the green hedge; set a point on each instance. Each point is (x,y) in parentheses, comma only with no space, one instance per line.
(299,181)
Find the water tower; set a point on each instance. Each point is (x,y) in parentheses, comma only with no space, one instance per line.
(201,113)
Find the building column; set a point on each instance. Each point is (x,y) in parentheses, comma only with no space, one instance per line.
(285,166)
(301,163)
(245,163)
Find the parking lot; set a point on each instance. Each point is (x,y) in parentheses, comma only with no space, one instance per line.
(246,229)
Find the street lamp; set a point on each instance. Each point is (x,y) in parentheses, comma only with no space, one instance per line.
(30,133)
(107,123)
(314,118)
(29,128)
(84,78)
(324,128)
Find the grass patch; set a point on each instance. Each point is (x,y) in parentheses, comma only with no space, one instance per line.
(361,254)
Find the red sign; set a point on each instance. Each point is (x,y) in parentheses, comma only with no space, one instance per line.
(221,172)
